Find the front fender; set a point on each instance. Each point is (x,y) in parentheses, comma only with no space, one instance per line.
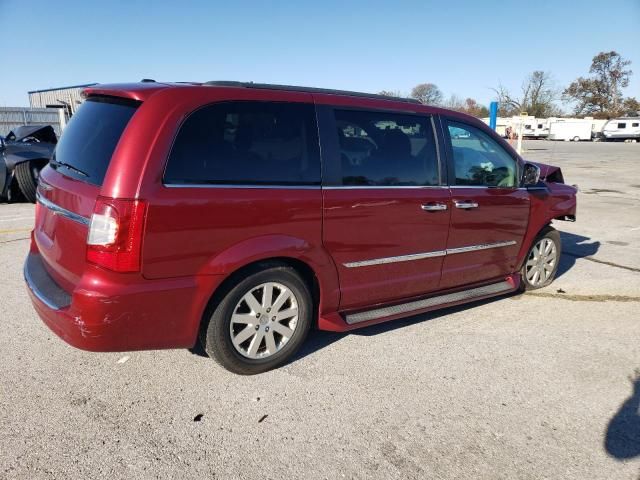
(553,201)
(267,247)
(15,154)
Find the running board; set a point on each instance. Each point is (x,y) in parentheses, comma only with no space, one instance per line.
(405,308)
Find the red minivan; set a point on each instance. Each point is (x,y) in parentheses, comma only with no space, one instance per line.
(241,215)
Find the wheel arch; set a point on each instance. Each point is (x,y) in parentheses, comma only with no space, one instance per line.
(530,239)
(320,277)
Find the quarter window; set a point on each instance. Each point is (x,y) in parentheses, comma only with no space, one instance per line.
(479,160)
(634,125)
(249,143)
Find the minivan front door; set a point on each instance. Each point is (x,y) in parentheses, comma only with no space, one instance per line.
(385,210)
(489,213)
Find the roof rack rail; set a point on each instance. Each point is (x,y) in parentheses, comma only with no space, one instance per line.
(295,88)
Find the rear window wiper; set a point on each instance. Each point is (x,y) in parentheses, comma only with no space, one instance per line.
(58,163)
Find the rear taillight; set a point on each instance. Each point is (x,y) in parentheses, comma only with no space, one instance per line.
(115,234)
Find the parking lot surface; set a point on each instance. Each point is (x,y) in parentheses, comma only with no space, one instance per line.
(541,385)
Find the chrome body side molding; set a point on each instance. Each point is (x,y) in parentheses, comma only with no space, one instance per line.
(421,255)
(406,308)
(484,246)
(402,258)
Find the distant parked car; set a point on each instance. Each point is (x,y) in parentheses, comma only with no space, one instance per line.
(242,215)
(626,128)
(23,153)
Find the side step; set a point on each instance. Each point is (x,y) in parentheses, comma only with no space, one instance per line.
(406,308)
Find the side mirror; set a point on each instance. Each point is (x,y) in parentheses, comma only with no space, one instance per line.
(531,175)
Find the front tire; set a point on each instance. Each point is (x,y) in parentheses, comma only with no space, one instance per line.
(541,264)
(260,322)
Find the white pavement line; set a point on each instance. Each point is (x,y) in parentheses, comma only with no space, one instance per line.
(14,219)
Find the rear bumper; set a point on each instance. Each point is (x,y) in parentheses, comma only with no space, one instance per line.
(104,314)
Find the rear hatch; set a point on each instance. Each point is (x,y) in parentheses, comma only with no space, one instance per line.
(71,183)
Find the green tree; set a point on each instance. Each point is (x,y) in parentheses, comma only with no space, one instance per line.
(472,107)
(601,93)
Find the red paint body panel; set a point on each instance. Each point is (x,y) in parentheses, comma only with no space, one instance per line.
(118,312)
(195,238)
(556,201)
(363,224)
(501,216)
(63,242)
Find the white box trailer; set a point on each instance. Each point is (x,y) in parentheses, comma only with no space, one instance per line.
(624,128)
(570,130)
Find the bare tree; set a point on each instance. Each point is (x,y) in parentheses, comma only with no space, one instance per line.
(427,93)
(601,93)
(454,102)
(390,93)
(468,106)
(537,96)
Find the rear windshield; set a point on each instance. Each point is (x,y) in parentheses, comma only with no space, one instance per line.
(87,143)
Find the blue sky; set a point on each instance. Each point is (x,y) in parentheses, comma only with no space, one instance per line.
(464,47)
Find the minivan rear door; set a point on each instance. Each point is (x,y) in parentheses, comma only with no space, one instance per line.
(386,208)
(70,184)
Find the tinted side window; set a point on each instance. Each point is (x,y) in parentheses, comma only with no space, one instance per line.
(622,125)
(478,159)
(249,143)
(386,149)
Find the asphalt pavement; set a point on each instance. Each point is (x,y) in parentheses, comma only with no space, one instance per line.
(541,385)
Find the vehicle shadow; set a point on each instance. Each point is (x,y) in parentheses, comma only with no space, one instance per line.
(574,247)
(622,440)
(319,339)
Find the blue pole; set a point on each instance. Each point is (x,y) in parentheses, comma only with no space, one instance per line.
(493,115)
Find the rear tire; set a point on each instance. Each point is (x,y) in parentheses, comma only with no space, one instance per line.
(542,260)
(250,331)
(576,139)
(27,174)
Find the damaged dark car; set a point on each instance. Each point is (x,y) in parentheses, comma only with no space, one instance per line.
(23,153)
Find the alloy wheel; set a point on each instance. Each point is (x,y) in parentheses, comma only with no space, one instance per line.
(264,320)
(541,262)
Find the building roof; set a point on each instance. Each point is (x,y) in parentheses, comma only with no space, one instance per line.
(62,88)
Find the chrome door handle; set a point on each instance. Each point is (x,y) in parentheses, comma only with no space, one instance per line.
(466,204)
(433,207)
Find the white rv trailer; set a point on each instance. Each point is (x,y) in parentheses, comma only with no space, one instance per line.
(570,130)
(535,128)
(624,128)
(501,124)
(596,127)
